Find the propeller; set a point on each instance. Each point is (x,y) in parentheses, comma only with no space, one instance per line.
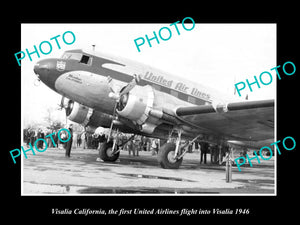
(136,79)
(124,90)
(121,97)
(61,105)
(67,106)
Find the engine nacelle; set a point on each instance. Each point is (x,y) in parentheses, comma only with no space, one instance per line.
(136,106)
(87,116)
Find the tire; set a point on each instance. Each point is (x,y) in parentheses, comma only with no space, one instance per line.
(165,154)
(105,152)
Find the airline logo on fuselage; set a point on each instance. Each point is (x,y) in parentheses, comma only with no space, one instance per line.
(178,86)
(158,79)
(60,65)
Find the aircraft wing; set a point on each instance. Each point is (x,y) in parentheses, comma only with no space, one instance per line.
(248,120)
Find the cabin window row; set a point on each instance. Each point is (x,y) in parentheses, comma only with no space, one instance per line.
(180,95)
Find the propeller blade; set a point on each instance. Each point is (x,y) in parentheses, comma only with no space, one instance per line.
(59,107)
(110,84)
(119,96)
(130,85)
(62,102)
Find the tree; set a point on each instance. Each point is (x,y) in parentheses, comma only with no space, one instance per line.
(52,123)
(55,125)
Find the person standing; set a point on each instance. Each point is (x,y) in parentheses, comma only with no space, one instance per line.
(48,139)
(40,135)
(68,144)
(78,140)
(148,144)
(130,147)
(28,136)
(244,154)
(32,137)
(56,139)
(83,139)
(154,147)
(204,150)
(136,145)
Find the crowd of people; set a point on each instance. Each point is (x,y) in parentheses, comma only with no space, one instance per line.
(30,135)
(133,144)
(141,143)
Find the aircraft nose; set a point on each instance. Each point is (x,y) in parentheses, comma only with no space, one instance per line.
(47,72)
(41,68)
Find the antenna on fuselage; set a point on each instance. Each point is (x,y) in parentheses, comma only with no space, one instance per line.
(93,47)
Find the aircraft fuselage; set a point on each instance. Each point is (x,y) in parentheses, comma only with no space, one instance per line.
(83,77)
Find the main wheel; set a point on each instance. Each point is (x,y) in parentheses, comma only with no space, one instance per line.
(106,152)
(166,157)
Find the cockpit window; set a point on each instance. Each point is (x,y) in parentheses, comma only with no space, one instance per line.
(77,56)
(85,59)
(71,55)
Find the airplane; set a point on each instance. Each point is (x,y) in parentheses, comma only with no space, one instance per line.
(99,89)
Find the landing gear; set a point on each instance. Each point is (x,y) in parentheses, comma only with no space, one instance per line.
(167,157)
(107,153)
(170,155)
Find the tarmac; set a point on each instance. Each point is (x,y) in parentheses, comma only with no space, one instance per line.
(51,173)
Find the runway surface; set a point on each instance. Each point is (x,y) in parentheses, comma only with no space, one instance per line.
(51,173)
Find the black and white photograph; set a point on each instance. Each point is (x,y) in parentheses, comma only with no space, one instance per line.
(150,109)
(186,115)
(151,114)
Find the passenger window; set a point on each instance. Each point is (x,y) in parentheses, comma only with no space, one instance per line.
(191,99)
(156,87)
(174,93)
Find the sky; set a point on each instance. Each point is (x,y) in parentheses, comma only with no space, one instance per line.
(215,55)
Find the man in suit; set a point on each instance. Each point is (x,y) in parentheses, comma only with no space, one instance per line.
(68,144)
